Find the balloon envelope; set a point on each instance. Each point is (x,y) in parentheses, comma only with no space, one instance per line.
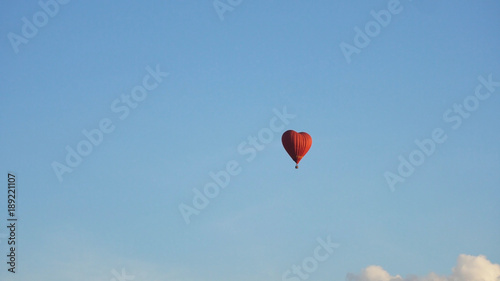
(296,144)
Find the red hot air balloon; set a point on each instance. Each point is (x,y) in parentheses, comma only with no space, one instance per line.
(296,144)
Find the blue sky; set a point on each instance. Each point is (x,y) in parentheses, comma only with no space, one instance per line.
(227,77)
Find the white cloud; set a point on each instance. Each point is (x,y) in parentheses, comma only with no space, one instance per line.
(373,273)
(468,268)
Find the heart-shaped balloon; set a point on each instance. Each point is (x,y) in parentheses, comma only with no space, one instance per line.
(296,144)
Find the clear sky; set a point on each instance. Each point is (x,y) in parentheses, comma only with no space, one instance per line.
(180,89)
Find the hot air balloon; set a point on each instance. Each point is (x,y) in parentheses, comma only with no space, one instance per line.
(296,144)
